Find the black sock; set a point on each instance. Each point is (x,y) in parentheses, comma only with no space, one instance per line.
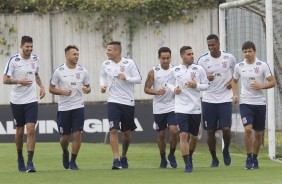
(226,147)
(163,156)
(73,157)
(20,153)
(255,156)
(186,159)
(249,155)
(30,156)
(172,151)
(191,153)
(65,151)
(213,154)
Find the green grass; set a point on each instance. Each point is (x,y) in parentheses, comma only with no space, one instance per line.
(95,162)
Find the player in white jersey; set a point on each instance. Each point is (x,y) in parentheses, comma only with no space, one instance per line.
(70,81)
(217,99)
(190,79)
(253,74)
(157,82)
(22,72)
(119,75)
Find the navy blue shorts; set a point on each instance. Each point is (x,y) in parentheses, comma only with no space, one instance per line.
(188,123)
(70,121)
(121,117)
(24,113)
(164,120)
(217,116)
(253,115)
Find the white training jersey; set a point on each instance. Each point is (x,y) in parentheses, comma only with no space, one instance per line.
(222,68)
(19,68)
(70,79)
(120,91)
(189,100)
(249,73)
(162,78)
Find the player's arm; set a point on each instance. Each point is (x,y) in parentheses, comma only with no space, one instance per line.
(103,79)
(135,77)
(269,84)
(86,89)
(235,90)
(39,83)
(149,84)
(7,80)
(56,91)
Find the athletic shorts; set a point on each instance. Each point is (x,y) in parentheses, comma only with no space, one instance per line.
(217,116)
(70,121)
(253,115)
(188,123)
(24,113)
(164,120)
(121,117)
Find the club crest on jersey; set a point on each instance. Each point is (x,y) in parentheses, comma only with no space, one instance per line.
(77,76)
(33,65)
(17,59)
(122,68)
(177,69)
(224,64)
(193,75)
(256,70)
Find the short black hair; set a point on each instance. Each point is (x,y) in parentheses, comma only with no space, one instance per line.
(213,36)
(26,39)
(69,47)
(164,49)
(116,44)
(248,45)
(184,48)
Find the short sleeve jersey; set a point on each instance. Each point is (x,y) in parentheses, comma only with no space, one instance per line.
(189,101)
(249,73)
(222,68)
(162,79)
(70,79)
(120,91)
(19,68)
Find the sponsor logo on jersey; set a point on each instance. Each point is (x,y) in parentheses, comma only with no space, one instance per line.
(225,57)
(34,58)
(107,63)
(258,63)
(207,60)
(80,68)
(241,64)
(157,68)
(195,68)
(125,62)
(17,59)
(61,68)
(177,69)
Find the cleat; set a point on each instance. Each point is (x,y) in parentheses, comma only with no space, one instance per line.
(172,161)
(123,162)
(191,161)
(188,168)
(30,167)
(249,163)
(116,164)
(255,164)
(226,158)
(21,165)
(73,166)
(163,164)
(66,162)
(215,163)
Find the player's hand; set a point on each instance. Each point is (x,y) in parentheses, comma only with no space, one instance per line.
(211,76)
(121,76)
(235,99)
(177,90)
(86,89)
(24,82)
(192,84)
(161,91)
(103,89)
(67,92)
(256,85)
(228,85)
(42,92)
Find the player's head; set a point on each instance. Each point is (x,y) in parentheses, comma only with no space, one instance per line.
(187,55)
(164,55)
(213,45)
(249,51)
(26,46)
(114,50)
(248,45)
(72,54)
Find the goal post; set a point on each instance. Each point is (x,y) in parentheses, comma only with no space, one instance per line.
(270,60)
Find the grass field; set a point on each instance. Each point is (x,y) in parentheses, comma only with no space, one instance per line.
(95,162)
